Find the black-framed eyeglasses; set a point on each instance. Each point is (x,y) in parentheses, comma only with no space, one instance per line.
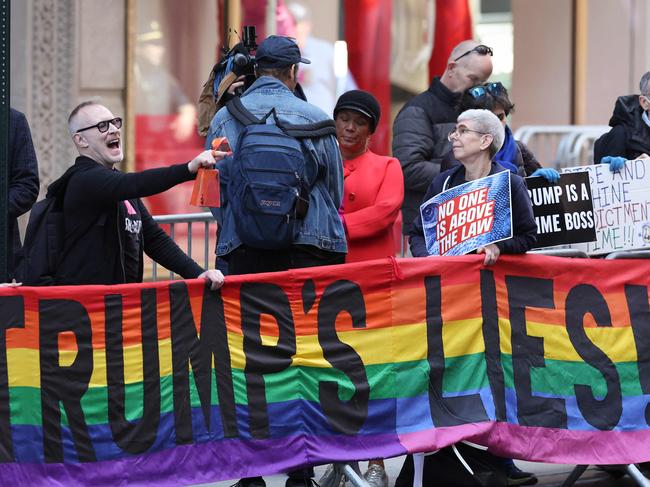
(103,125)
(494,88)
(481,49)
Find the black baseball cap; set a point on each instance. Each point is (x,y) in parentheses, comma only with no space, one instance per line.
(278,52)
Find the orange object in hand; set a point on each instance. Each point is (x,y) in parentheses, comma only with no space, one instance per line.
(221,144)
(206,188)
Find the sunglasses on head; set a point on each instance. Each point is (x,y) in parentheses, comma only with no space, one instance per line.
(104,124)
(494,89)
(480,49)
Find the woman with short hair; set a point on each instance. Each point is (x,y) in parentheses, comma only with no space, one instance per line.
(476,139)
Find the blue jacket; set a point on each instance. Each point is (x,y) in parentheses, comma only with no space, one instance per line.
(524,232)
(322,226)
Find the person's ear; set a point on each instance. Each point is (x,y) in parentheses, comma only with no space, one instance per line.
(644,102)
(451,67)
(486,141)
(80,140)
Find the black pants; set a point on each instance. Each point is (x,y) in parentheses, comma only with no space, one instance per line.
(246,260)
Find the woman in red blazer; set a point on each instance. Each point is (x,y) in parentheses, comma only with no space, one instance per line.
(374,185)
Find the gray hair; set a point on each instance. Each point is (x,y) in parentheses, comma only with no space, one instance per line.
(644,84)
(488,123)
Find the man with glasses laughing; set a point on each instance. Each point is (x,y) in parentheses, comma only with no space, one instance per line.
(106,228)
(417,142)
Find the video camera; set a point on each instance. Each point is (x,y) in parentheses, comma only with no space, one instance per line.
(240,60)
(244,63)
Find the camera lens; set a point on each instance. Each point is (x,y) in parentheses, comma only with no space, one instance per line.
(240,60)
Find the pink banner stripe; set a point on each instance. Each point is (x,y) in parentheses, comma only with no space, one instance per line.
(535,444)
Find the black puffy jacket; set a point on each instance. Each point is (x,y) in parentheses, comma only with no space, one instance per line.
(417,144)
(629,136)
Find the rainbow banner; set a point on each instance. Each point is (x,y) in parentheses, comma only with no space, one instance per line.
(539,358)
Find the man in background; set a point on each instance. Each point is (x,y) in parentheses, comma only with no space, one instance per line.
(629,137)
(23,182)
(416,142)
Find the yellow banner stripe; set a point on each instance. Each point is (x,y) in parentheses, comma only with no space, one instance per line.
(375,346)
(23,365)
(613,341)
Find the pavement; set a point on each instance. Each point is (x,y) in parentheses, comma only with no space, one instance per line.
(549,475)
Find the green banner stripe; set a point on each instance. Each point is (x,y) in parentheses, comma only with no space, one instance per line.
(558,377)
(405,379)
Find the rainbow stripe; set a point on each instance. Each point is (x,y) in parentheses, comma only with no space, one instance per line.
(393,344)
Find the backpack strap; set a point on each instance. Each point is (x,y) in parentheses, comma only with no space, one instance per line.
(299,131)
(317,129)
(241,113)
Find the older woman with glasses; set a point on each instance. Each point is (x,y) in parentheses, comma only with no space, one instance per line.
(513,155)
(476,139)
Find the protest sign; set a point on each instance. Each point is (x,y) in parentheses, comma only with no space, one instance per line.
(621,203)
(539,358)
(563,210)
(466,217)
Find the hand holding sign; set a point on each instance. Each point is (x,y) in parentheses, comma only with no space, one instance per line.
(491,252)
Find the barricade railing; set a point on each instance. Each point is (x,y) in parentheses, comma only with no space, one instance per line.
(560,252)
(208,227)
(561,146)
(185,229)
(629,254)
(343,473)
(581,150)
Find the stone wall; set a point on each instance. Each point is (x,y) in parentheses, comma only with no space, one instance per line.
(64,52)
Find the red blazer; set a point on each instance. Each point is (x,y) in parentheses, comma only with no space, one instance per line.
(372,197)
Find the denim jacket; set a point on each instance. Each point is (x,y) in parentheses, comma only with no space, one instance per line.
(322,226)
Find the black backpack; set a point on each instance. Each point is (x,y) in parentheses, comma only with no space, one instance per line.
(41,253)
(268,189)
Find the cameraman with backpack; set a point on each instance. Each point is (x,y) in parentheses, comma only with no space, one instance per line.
(282,188)
(253,237)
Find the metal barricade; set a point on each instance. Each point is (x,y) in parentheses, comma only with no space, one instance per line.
(629,254)
(560,252)
(342,472)
(561,146)
(581,150)
(194,225)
